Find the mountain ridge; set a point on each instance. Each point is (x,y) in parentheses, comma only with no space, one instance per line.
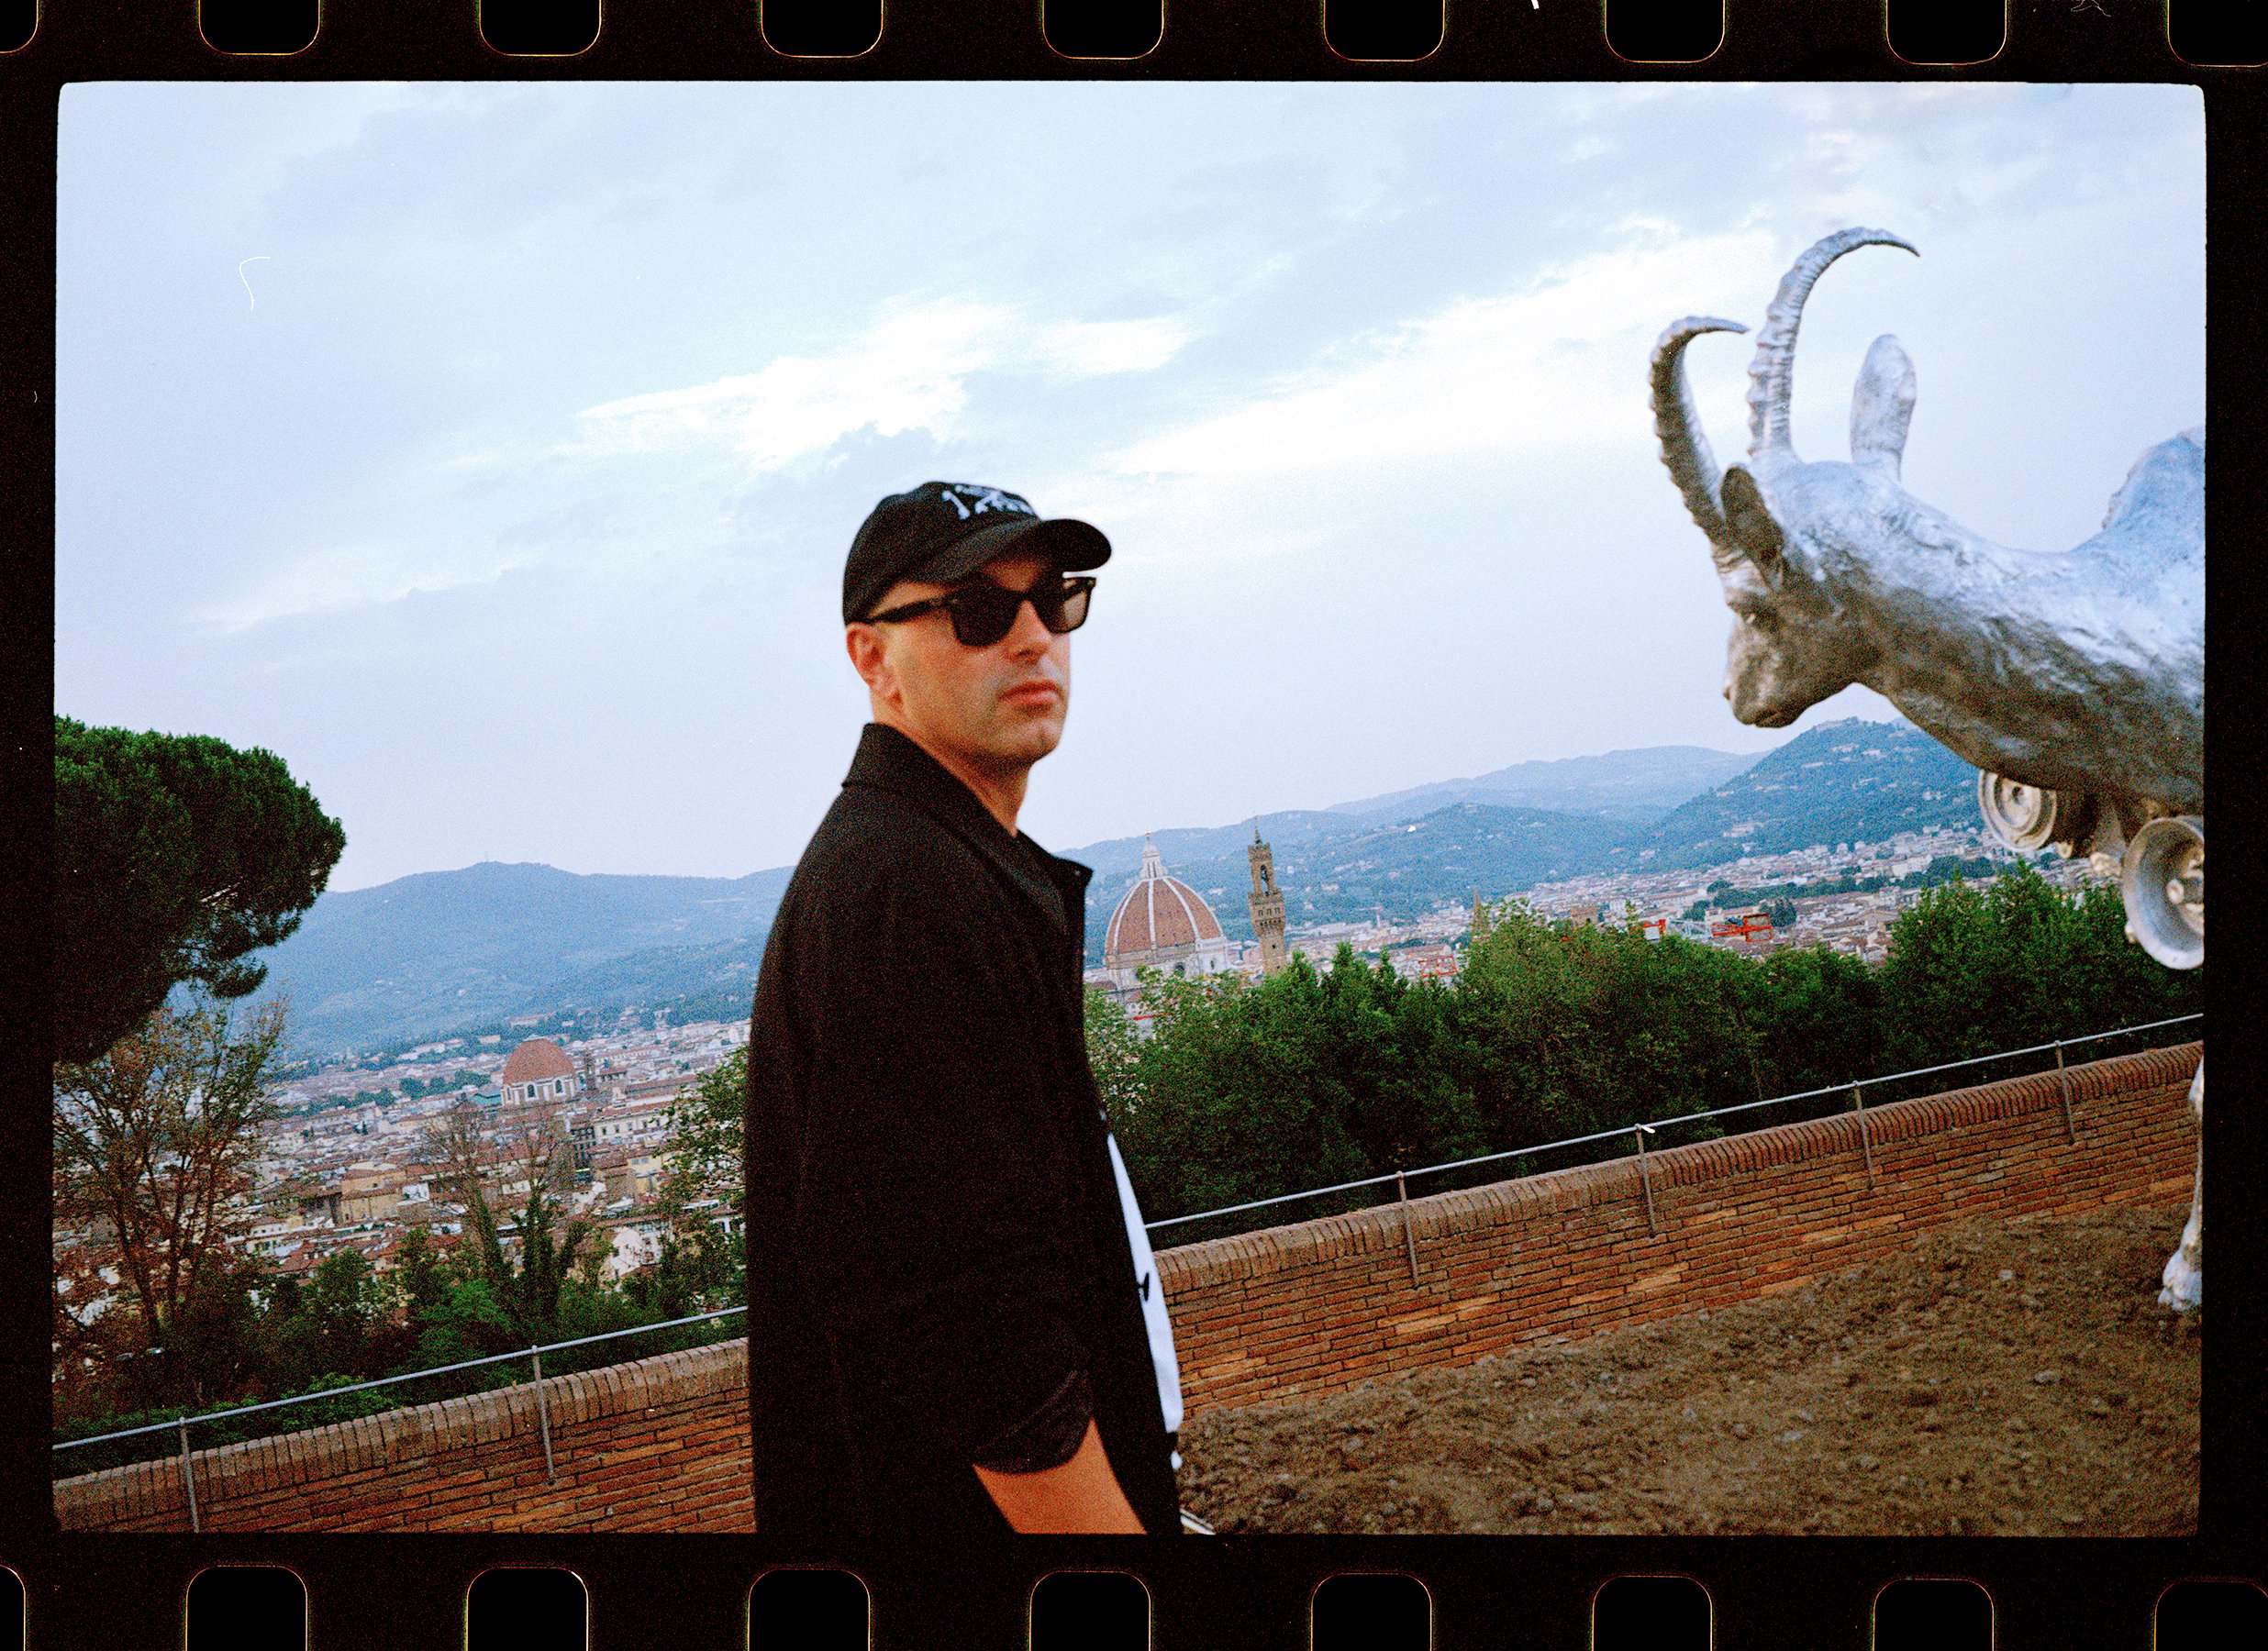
(427,954)
(1641,783)
(437,949)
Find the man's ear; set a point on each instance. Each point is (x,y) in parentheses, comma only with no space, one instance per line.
(870,658)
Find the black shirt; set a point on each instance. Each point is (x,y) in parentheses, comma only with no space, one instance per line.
(935,1241)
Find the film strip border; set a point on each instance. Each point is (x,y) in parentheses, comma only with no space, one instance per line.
(1097,1596)
(493,1591)
(2007,39)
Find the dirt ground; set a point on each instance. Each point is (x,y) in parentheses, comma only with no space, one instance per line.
(1997,1379)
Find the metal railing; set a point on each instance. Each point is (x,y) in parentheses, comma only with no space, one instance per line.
(1402,1177)
(533,1353)
(182,1425)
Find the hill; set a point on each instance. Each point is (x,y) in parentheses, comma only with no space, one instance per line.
(434,953)
(1639,786)
(1633,787)
(1407,868)
(438,950)
(1840,783)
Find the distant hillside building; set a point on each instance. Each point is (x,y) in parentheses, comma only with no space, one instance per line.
(1267,905)
(1751,926)
(1430,962)
(1163,922)
(539,1070)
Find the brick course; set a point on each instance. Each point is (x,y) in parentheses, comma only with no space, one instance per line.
(1313,1308)
(1320,1306)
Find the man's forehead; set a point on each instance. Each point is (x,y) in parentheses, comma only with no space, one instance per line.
(1002,568)
(1010,568)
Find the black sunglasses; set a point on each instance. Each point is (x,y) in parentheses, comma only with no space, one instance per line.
(984,612)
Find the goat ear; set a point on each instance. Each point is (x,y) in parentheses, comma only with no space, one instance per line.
(1749,522)
(1882,405)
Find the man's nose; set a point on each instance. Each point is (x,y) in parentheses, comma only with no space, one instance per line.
(1028,635)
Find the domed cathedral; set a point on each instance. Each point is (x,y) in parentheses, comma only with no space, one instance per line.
(539,1070)
(1164,922)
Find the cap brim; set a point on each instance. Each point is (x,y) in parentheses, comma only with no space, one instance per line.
(1072,546)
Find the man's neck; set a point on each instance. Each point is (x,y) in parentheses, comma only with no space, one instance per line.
(1002,793)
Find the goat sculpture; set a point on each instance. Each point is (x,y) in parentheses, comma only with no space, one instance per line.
(2074,680)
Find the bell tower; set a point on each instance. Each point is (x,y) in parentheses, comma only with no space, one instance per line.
(1267,903)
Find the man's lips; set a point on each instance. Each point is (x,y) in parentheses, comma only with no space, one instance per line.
(1033,693)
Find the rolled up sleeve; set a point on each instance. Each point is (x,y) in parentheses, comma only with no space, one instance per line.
(1047,1438)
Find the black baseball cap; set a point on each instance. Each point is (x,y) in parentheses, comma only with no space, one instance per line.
(941,532)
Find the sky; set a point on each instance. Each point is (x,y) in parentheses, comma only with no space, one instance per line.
(490,452)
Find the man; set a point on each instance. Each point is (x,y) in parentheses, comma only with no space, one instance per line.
(947,1331)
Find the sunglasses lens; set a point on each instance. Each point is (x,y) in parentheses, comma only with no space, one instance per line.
(1070,608)
(984,614)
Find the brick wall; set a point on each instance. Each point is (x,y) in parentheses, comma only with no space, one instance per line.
(659,1445)
(1320,1306)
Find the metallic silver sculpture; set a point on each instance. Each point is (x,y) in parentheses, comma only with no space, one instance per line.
(2074,680)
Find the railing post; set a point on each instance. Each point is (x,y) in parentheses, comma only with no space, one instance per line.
(1645,1177)
(1857,1100)
(2062,1076)
(543,1417)
(188,1477)
(1866,1141)
(1409,1241)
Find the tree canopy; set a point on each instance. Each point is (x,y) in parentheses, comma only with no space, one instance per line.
(703,1265)
(530,1146)
(154,1144)
(1552,1031)
(176,857)
(2016,964)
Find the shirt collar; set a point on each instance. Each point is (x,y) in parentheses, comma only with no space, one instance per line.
(888,761)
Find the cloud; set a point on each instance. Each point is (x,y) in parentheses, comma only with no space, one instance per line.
(587,519)
(1077,349)
(1559,363)
(906,373)
(909,371)
(339,577)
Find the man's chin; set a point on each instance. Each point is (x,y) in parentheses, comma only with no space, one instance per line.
(1023,741)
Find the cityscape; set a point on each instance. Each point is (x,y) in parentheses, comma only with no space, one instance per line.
(355,1158)
(352,1159)
(1717,906)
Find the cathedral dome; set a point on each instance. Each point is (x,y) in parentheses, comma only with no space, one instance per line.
(537,1059)
(1158,913)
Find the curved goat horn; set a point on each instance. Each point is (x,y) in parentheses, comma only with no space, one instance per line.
(1685,447)
(1772,368)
